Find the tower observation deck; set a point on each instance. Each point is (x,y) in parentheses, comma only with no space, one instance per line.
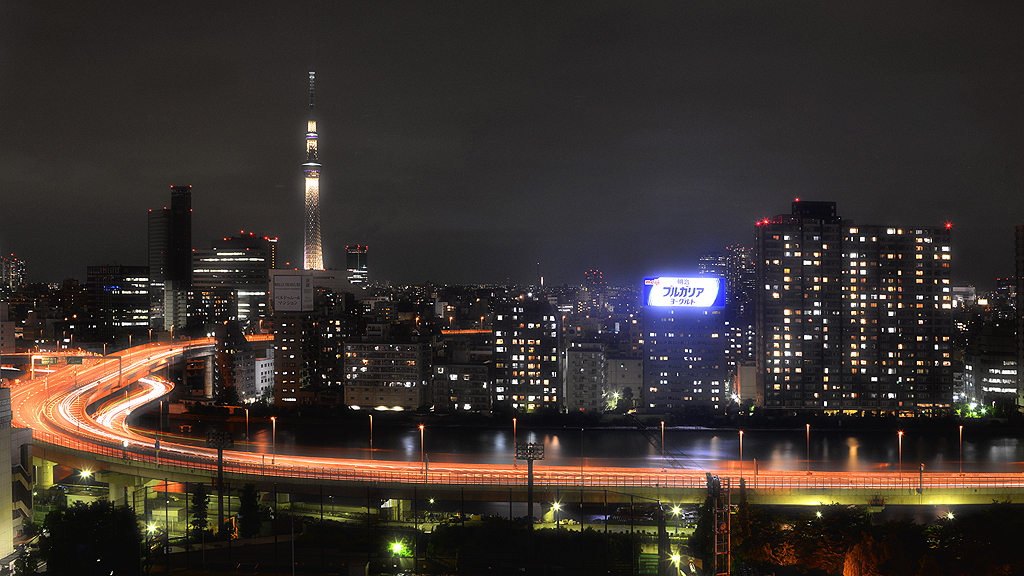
(312,254)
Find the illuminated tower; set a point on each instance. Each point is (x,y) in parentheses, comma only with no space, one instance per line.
(312,256)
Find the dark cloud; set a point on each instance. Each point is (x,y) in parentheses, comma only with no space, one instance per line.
(470,141)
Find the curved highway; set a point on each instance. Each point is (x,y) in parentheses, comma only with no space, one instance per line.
(86,407)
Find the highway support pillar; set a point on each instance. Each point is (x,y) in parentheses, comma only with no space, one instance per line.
(44,473)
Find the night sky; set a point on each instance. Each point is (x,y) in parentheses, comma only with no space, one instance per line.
(466,142)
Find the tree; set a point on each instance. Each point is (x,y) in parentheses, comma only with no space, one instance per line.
(702,541)
(200,507)
(27,564)
(248,512)
(94,539)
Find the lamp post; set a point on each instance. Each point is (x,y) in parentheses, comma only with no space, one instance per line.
(900,472)
(961,449)
(808,449)
(421,448)
(246,429)
(556,506)
(662,445)
(273,446)
(371,436)
(514,463)
(741,454)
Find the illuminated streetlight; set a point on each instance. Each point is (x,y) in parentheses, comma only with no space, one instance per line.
(273,453)
(556,507)
(422,461)
(949,515)
(514,463)
(901,456)
(961,449)
(741,453)
(371,436)
(662,445)
(246,429)
(808,449)
(676,510)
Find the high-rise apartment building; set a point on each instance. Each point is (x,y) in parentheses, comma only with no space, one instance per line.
(852,318)
(355,263)
(586,371)
(527,355)
(170,261)
(12,272)
(392,375)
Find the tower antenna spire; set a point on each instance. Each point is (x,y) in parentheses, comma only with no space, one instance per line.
(312,81)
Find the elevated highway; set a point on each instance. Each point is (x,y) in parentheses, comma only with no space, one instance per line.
(79,415)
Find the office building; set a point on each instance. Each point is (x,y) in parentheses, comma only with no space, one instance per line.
(118,301)
(355,262)
(1019,300)
(852,318)
(170,261)
(240,264)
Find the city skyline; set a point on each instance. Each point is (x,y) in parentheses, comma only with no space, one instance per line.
(470,143)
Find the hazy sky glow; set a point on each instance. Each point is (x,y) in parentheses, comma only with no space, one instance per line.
(469,141)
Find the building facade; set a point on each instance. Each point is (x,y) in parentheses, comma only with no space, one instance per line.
(685,345)
(527,356)
(586,371)
(355,263)
(241,264)
(461,388)
(387,375)
(12,272)
(170,261)
(118,300)
(852,318)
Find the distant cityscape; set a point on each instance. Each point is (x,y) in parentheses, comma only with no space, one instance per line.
(821,316)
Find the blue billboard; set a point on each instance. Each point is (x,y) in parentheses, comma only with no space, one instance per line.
(693,292)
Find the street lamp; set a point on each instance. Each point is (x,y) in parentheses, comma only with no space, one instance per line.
(581,456)
(371,436)
(662,445)
(675,512)
(808,449)
(901,456)
(556,507)
(514,463)
(421,449)
(246,429)
(273,453)
(741,454)
(961,449)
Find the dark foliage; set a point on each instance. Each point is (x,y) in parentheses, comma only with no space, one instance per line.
(94,539)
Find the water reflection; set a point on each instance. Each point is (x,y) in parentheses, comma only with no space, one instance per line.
(690,448)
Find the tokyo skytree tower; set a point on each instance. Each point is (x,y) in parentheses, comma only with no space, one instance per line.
(312,255)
